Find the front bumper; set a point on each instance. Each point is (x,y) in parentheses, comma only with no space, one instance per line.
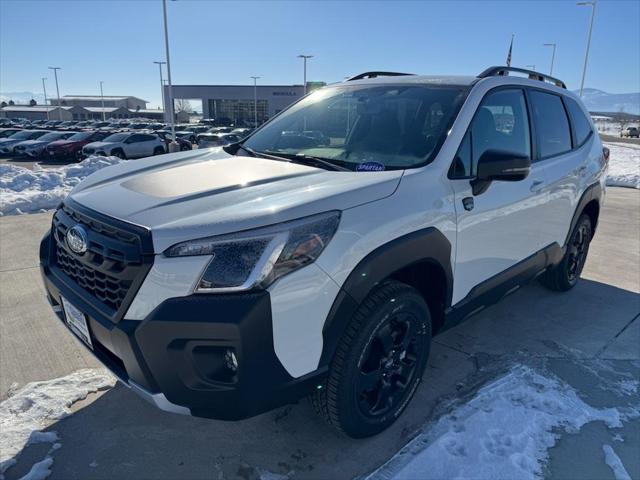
(174,358)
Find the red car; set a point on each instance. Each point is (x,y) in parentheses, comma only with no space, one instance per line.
(72,146)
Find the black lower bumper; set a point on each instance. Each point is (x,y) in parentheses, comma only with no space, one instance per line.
(179,350)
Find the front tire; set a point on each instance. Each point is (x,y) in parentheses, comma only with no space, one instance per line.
(378,363)
(158,151)
(565,275)
(119,153)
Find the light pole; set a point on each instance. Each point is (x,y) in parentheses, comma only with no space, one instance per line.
(102,100)
(553,55)
(586,55)
(255,102)
(55,73)
(44,88)
(173,145)
(164,107)
(305,57)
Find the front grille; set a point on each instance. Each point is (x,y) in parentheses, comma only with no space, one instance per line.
(114,265)
(109,289)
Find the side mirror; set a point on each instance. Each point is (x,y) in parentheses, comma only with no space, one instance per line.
(500,165)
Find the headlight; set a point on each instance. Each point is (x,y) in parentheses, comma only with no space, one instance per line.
(257,258)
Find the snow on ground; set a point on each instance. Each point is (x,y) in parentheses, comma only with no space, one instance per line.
(27,191)
(504,432)
(624,165)
(613,460)
(38,405)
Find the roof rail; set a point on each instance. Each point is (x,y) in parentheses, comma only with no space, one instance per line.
(377,74)
(496,71)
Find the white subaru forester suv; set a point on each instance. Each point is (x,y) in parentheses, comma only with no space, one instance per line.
(228,281)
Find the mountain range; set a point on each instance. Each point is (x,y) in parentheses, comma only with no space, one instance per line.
(599,101)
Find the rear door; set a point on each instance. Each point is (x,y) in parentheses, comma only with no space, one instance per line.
(498,228)
(564,148)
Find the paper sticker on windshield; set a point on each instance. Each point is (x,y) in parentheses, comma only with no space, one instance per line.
(370,167)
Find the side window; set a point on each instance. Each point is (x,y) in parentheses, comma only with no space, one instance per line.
(500,123)
(147,138)
(552,124)
(580,122)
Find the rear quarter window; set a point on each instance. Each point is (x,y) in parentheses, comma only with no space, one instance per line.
(552,124)
(581,124)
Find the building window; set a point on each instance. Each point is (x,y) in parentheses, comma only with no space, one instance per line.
(237,111)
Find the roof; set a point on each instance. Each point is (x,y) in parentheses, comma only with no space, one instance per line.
(98,98)
(146,110)
(29,108)
(462,80)
(105,109)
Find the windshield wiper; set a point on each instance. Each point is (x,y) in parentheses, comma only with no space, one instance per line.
(309,160)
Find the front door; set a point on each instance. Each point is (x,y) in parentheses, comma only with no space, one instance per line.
(499,227)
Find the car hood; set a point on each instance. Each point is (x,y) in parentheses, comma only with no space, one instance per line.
(64,143)
(9,141)
(96,145)
(200,193)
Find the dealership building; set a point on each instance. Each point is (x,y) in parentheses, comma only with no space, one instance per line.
(236,102)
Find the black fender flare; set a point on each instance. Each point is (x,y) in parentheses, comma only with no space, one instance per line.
(426,245)
(593,192)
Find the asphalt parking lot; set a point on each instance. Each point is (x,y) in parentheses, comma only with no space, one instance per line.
(581,336)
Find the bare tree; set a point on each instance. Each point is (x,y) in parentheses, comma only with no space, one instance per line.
(182,105)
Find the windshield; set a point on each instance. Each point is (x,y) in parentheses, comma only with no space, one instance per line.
(21,135)
(51,136)
(381,127)
(116,137)
(77,137)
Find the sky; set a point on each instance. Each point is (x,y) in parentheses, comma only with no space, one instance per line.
(221,42)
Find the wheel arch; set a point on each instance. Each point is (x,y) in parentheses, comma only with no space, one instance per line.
(589,203)
(421,259)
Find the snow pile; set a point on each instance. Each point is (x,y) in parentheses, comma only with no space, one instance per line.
(624,165)
(23,190)
(614,462)
(39,404)
(503,432)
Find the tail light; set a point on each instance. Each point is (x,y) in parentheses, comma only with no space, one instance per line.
(605,155)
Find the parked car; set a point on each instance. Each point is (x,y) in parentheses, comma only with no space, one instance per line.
(208,140)
(242,278)
(127,145)
(51,124)
(71,147)
(166,138)
(242,132)
(630,132)
(7,132)
(68,125)
(36,147)
(8,143)
(220,130)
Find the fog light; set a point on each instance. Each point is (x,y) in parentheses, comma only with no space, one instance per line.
(230,360)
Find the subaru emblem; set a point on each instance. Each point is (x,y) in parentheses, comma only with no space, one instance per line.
(77,239)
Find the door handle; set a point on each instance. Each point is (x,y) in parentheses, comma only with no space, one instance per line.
(536,186)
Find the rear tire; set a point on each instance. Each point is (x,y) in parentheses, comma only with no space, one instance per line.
(378,363)
(565,275)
